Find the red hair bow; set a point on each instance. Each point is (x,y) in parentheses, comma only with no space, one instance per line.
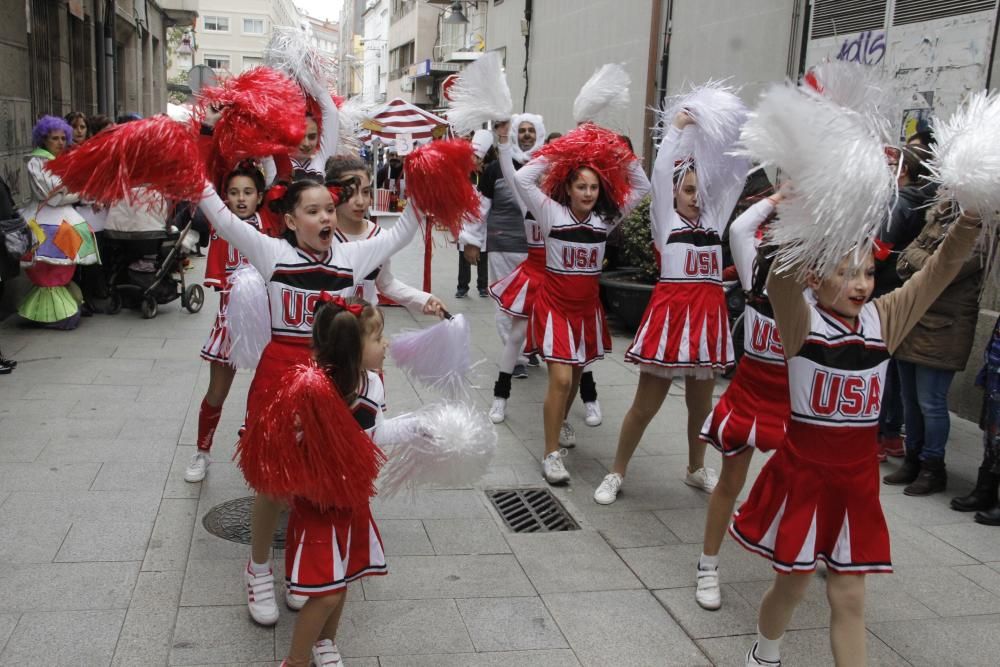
(276,192)
(353,308)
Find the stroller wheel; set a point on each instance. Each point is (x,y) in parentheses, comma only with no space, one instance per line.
(149,308)
(194,298)
(114,302)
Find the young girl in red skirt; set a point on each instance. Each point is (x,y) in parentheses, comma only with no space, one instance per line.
(740,422)
(578,188)
(244,189)
(328,547)
(297,269)
(515,296)
(685,330)
(818,496)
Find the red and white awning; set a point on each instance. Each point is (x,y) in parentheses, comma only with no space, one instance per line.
(398,117)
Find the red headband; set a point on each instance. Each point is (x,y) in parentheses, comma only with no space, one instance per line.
(353,308)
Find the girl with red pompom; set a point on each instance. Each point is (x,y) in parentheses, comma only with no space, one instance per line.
(296,268)
(578,188)
(328,547)
(244,189)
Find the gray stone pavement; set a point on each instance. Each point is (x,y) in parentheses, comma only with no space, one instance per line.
(106,562)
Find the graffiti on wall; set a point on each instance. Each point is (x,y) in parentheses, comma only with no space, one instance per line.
(867,48)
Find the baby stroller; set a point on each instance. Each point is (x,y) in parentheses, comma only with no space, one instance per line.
(147,263)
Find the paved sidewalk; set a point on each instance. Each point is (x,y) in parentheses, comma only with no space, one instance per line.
(107,562)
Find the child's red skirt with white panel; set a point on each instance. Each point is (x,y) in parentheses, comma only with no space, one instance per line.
(566,330)
(753,411)
(817,498)
(684,331)
(217,346)
(327,549)
(515,293)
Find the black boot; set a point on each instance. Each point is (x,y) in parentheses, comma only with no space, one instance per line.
(906,473)
(932,479)
(982,497)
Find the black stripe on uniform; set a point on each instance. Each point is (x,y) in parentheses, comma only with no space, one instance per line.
(845,357)
(700,238)
(579,234)
(314,281)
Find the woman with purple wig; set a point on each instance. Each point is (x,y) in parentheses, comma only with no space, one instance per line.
(63,238)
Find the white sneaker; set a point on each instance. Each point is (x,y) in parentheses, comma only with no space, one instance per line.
(260,597)
(294,601)
(197,467)
(567,436)
(754,661)
(708,594)
(702,478)
(594,416)
(326,654)
(499,410)
(607,492)
(553,469)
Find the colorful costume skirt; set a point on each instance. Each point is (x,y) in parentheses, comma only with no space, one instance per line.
(685,329)
(817,498)
(568,334)
(62,236)
(326,550)
(752,412)
(55,300)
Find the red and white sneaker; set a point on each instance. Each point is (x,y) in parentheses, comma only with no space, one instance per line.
(326,654)
(260,596)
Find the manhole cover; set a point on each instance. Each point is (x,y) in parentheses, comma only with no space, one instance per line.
(231,521)
(531,510)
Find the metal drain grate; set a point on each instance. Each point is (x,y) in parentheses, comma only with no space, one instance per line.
(531,510)
(231,521)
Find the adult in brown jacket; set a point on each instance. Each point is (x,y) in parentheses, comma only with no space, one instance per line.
(937,347)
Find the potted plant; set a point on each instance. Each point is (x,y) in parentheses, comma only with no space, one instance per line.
(626,291)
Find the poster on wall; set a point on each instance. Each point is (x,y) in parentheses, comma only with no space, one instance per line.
(917,118)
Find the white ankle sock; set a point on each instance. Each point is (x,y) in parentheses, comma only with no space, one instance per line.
(768,649)
(258,568)
(707,562)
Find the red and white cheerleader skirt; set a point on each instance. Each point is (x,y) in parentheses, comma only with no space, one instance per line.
(566,333)
(817,499)
(685,330)
(218,345)
(327,549)
(515,293)
(752,412)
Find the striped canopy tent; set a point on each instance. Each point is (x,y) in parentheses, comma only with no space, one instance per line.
(398,117)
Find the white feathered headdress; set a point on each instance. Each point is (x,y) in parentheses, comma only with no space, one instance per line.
(515,122)
(604,99)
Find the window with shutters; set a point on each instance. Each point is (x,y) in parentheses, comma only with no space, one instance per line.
(915,11)
(843,17)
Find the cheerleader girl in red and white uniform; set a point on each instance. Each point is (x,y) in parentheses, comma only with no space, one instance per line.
(817,498)
(296,268)
(685,330)
(591,181)
(329,547)
(740,422)
(244,189)
(351,175)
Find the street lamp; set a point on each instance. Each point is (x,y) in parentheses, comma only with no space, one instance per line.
(456,16)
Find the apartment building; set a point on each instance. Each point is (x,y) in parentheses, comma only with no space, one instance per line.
(352,31)
(231,34)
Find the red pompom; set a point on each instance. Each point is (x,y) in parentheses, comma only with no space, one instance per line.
(590,146)
(157,153)
(438,180)
(307,444)
(263,114)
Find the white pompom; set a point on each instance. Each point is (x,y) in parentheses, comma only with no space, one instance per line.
(452,445)
(860,88)
(480,95)
(438,357)
(966,159)
(843,187)
(604,99)
(353,113)
(289,51)
(719,117)
(248,317)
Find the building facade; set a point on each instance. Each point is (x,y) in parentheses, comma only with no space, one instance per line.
(375,46)
(55,61)
(352,57)
(325,37)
